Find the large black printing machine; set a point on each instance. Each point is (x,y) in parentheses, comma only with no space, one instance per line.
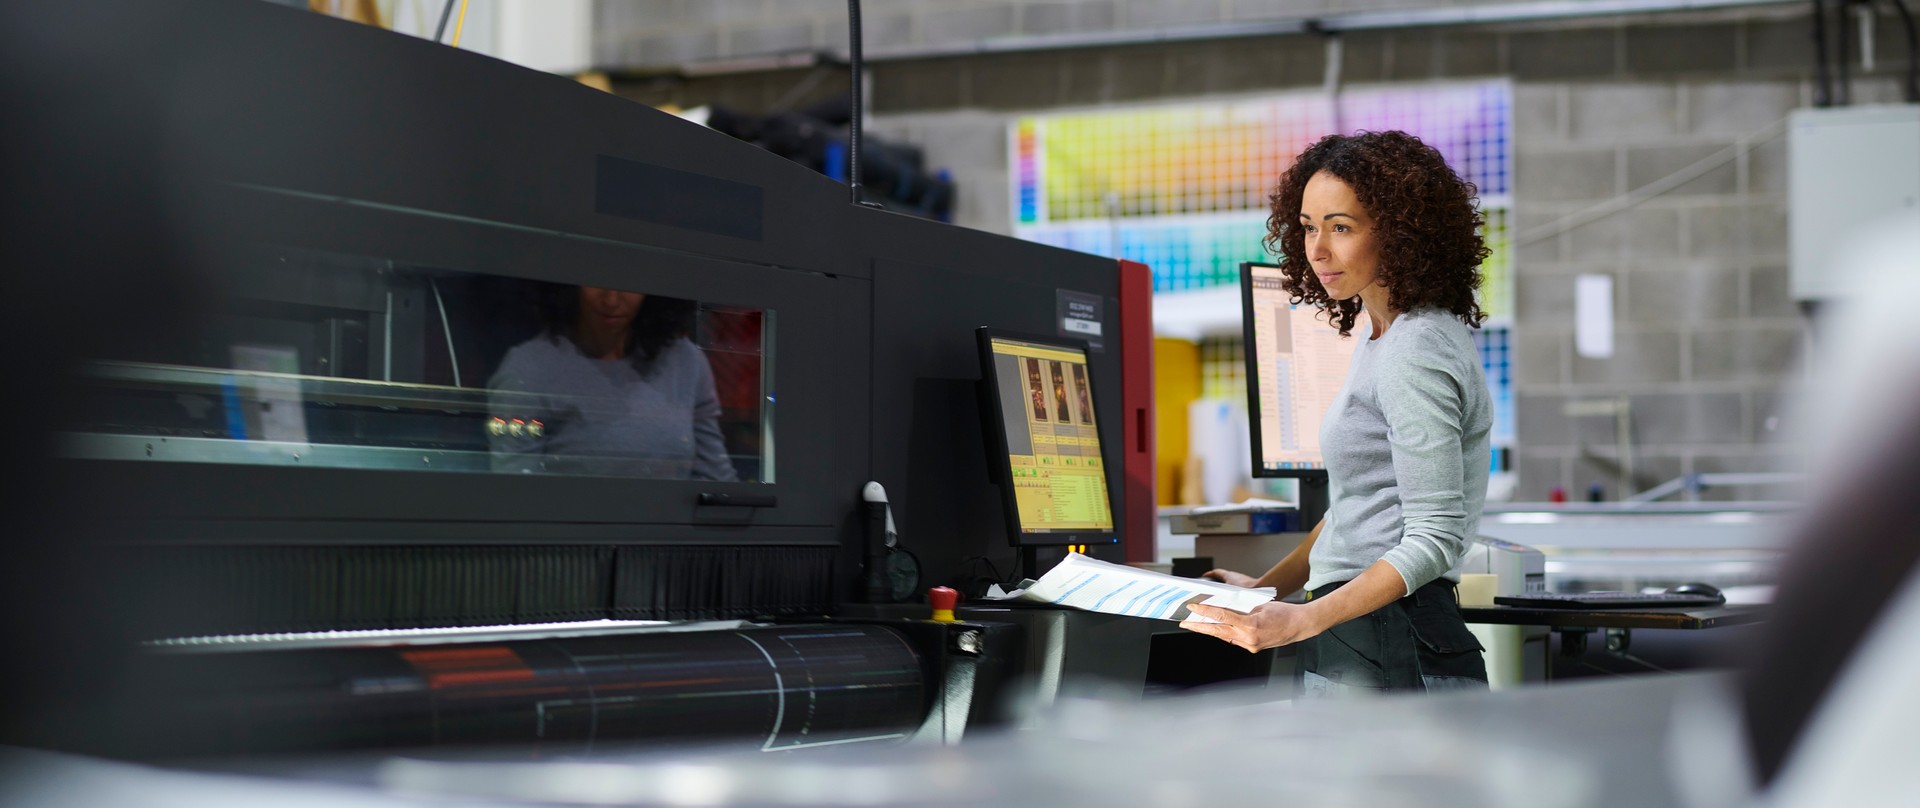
(351,492)
(276,539)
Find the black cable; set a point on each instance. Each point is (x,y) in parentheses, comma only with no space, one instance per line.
(991,568)
(1843,91)
(1822,87)
(446,13)
(1913,51)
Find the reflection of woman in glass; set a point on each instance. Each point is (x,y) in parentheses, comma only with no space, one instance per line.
(1080,388)
(1059,391)
(1033,388)
(611,386)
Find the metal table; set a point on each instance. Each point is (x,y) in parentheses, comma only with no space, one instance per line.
(1573,625)
(1681,618)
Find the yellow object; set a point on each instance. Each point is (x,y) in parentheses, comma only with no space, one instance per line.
(944,616)
(1176,383)
(601,81)
(460,23)
(361,11)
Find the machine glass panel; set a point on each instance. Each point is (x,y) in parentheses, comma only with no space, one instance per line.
(323,359)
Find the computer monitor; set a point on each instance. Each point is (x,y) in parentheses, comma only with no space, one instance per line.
(1296,364)
(1043,440)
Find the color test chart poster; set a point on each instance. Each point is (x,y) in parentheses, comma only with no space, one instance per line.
(1183,187)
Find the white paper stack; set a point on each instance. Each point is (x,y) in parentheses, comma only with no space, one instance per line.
(1086,583)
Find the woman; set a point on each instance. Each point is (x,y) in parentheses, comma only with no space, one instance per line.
(1377,224)
(612,387)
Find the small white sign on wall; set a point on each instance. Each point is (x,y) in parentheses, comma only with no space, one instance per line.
(1593,316)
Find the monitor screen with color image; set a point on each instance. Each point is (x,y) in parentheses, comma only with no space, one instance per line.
(1045,440)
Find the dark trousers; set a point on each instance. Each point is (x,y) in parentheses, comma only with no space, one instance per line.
(1418,643)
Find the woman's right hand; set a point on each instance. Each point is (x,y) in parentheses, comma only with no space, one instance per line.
(1231,578)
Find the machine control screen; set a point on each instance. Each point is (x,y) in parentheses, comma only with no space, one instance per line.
(1054,464)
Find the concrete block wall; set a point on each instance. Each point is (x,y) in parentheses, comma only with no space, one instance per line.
(1710,349)
(643,35)
(1708,343)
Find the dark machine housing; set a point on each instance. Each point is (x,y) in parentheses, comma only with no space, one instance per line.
(371,224)
(320,200)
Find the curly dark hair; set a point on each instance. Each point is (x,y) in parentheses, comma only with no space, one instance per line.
(1426,220)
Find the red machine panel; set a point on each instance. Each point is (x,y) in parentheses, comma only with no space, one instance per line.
(1136,405)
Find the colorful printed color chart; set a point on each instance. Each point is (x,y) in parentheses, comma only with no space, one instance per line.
(1496,360)
(1223,368)
(1161,161)
(1185,252)
(1183,188)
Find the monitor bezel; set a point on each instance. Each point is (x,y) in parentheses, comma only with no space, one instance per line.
(1251,355)
(994,427)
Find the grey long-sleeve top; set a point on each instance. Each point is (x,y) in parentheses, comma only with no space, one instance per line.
(606,417)
(1406,447)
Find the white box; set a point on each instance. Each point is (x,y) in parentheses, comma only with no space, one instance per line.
(1847,168)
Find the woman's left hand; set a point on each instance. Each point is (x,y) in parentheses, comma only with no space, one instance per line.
(1269,625)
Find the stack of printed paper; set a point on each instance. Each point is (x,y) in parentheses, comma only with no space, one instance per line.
(1099,586)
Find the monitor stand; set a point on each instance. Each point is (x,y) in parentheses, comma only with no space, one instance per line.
(1029,563)
(1031,559)
(1313,501)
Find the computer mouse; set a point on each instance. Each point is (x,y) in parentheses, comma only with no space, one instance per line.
(1697,588)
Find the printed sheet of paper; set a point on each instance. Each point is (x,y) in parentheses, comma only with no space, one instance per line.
(1086,583)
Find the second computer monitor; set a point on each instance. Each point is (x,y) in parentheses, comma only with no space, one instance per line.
(1296,364)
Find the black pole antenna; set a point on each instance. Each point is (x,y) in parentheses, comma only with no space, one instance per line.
(1843,88)
(854,63)
(1822,88)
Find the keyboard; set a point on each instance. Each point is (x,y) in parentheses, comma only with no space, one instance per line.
(1607,600)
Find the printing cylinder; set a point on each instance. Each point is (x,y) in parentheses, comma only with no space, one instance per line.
(776,687)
